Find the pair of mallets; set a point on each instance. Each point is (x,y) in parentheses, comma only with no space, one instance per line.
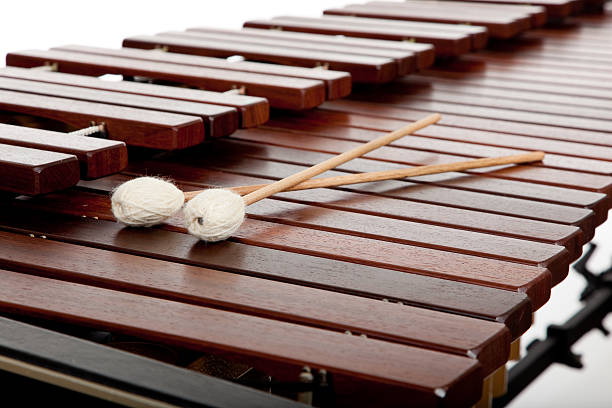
(215,214)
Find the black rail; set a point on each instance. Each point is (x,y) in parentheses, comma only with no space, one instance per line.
(557,347)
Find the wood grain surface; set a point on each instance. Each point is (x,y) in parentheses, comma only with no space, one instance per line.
(388,211)
(475,67)
(515,115)
(496,59)
(281,92)
(513,309)
(473,72)
(536,14)
(97,157)
(404,60)
(363,68)
(258,163)
(541,175)
(463,142)
(596,183)
(253,111)
(32,171)
(337,83)
(367,226)
(418,88)
(424,53)
(445,43)
(450,90)
(502,24)
(554,8)
(219,120)
(478,35)
(533,280)
(487,341)
(268,340)
(137,127)
(354,109)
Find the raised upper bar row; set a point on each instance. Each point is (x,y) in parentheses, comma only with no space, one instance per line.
(287,87)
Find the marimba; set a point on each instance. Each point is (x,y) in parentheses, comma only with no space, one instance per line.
(406,292)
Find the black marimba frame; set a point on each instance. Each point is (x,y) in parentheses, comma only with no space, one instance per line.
(557,347)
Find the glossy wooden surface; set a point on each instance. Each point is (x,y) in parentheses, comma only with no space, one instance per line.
(593,126)
(268,340)
(595,201)
(568,85)
(253,111)
(549,210)
(219,120)
(423,53)
(418,88)
(595,182)
(530,82)
(445,43)
(324,141)
(501,25)
(478,35)
(404,60)
(393,115)
(407,233)
(572,69)
(97,157)
(512,309)
(537,15)
(389,211)
(136,127)
(560,154)
(395,174)
(554,8)
(288,93)
(276,171)
(488,341)
(32,171)
(533,280)
(337,83)
(363,68)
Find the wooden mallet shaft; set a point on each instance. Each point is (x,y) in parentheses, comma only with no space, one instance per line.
(336,161)
(394,174)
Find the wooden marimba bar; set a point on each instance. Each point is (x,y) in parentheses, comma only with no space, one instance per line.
(389,293)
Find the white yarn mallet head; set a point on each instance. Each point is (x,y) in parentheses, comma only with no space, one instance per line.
(211,218)
(146,201)
(214,214)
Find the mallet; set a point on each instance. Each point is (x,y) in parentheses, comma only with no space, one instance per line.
(147,201)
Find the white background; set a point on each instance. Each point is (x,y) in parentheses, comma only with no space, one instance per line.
(44,24)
